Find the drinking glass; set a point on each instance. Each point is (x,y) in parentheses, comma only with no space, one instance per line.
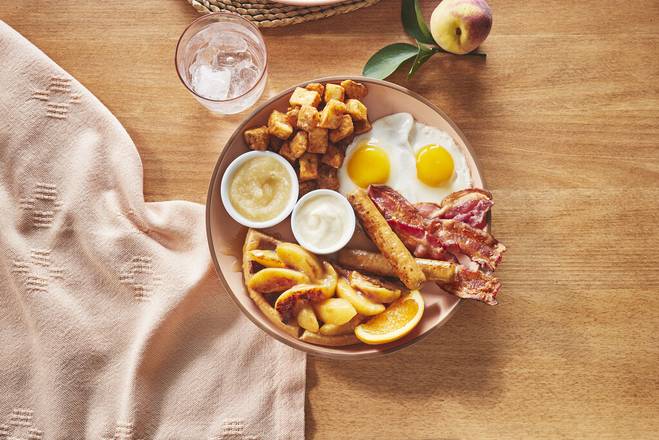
(221,58)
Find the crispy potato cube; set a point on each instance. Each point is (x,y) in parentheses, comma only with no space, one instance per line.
(287,153)
(257,138)
(317,87)
(307,186)
(356,109)
(354,89)
(318,140)
(308,117)
(292,114)
(334,157)
(279,126)
(330,117)
(328,178)
(299,143)
(302,97)
(346,128)
(275,144)
(343,143)
(362,126)
(334,91)
(308,167)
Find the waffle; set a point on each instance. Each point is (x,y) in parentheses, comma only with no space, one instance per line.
(257,240)
(329,341)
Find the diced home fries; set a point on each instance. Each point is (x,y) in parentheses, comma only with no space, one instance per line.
(286,152)
(331,115)
(257,138)
(292,114)
(279,126)
(333,157)
(345,129)
(275,144)
(354,89)
(302,97)
(328,177)
(308,167)
(316,87)
(308,186)
(334,91)
(313,132)
(299,143)
(318,140)
(356,109)
(307,118)
(362,126)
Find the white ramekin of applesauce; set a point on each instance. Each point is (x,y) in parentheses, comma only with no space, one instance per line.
(259,189)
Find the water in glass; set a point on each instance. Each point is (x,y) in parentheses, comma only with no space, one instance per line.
(223,65)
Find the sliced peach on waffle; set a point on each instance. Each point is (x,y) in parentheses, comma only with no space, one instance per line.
(276,279)
(335,311)
(295,297)
(344,329)
(329,280)
(295,257)
(306,318)
(266,258)
(374,288)
(362,304)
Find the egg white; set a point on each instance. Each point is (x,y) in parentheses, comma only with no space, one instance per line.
(401,137)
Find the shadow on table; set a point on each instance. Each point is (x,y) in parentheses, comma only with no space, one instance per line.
(454,83)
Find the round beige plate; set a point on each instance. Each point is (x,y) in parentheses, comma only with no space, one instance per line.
(225,236)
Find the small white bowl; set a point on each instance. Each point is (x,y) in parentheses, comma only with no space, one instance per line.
(231,170)
(350,220)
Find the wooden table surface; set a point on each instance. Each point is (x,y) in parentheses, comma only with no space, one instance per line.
(564,117)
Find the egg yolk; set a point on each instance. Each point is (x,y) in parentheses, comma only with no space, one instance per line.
(434,165)
(368,165)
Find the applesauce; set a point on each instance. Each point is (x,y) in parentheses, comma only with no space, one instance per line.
(260,189)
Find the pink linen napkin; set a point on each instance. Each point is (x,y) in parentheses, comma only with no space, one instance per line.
(113,324)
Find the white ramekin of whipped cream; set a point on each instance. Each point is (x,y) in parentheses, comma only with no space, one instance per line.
(323,221)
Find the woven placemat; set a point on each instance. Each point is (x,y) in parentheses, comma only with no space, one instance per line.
(270,14)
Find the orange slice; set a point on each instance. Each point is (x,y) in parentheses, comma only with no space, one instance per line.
(395,322)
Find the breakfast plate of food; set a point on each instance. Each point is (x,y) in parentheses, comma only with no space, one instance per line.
(347,217)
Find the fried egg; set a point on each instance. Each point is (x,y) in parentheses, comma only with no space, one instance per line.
(421,162)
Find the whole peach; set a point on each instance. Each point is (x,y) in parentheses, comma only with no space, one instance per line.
(460,26)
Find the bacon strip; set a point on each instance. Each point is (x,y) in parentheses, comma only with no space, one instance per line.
(473,284)
(397,208)
(477,244)
(468,206)
(429,210)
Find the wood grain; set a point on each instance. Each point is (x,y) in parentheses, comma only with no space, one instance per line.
(564,117)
